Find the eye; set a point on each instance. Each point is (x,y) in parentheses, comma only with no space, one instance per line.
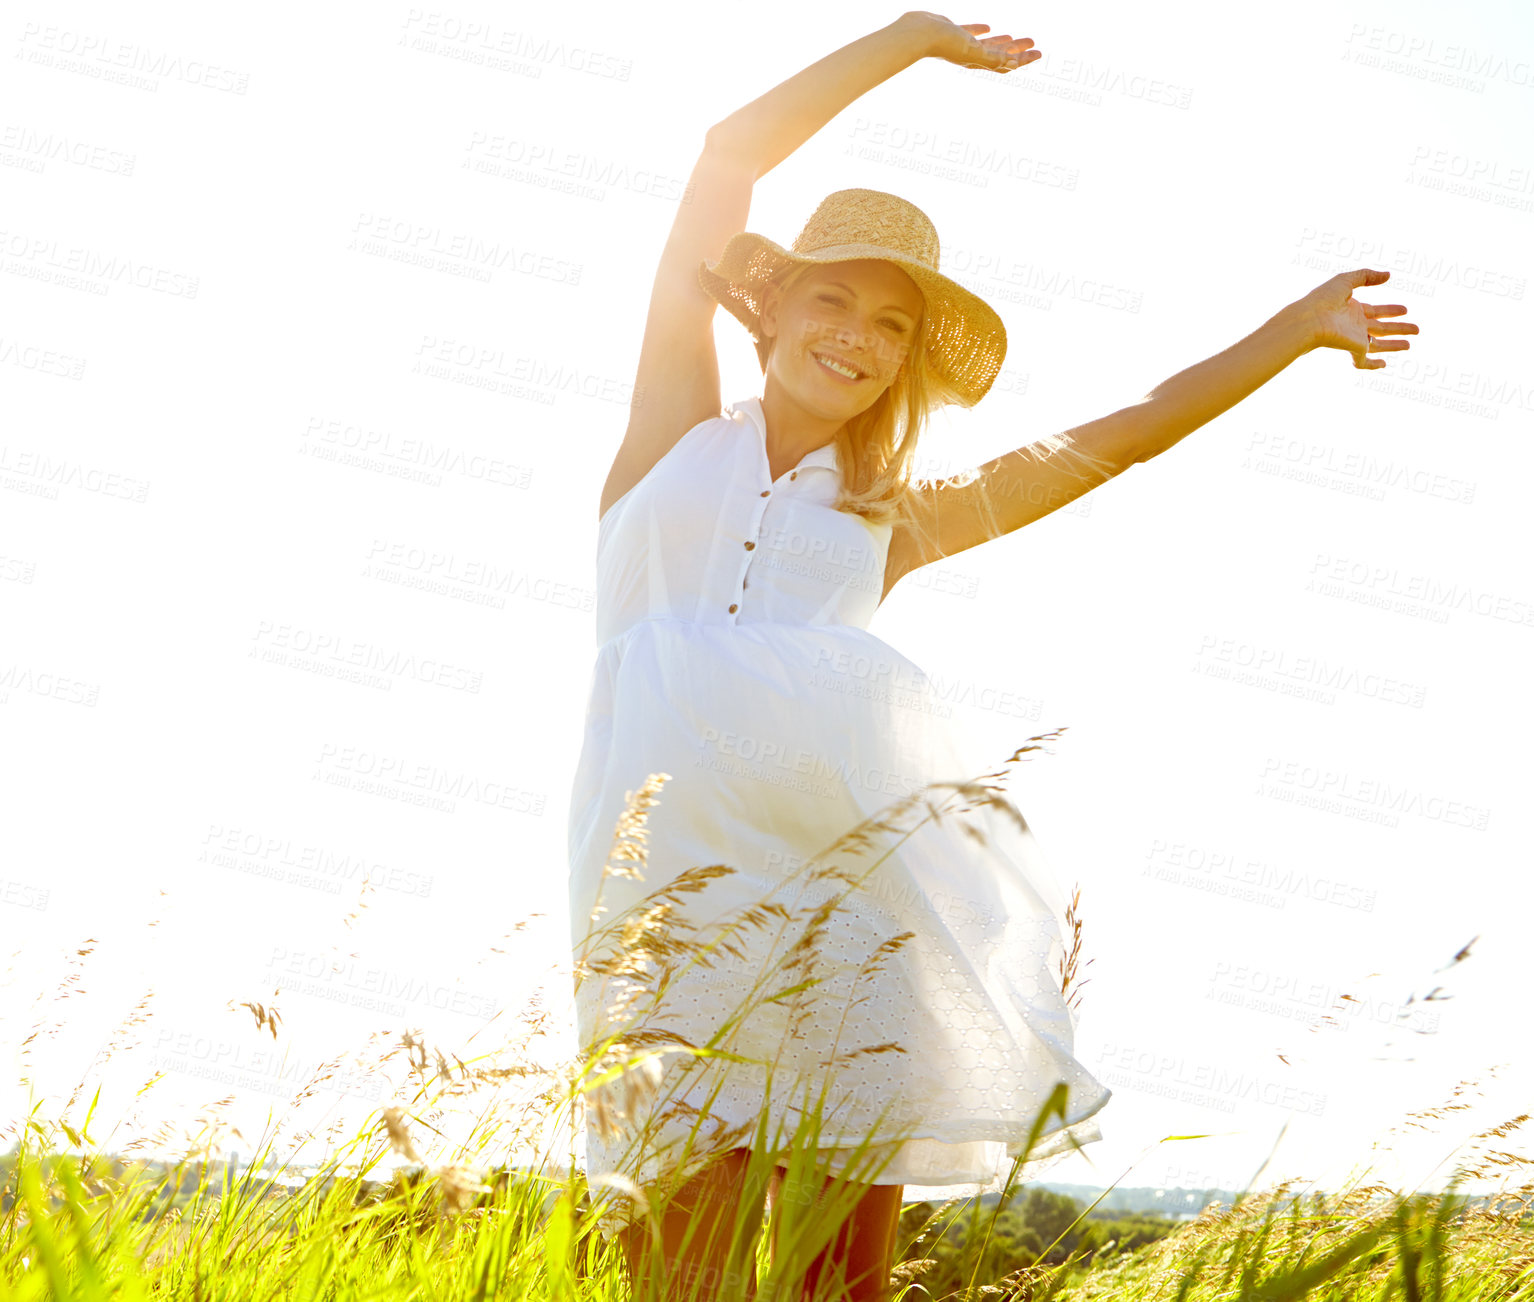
(836,299)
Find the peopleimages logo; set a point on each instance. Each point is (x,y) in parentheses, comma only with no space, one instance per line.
(922,150)
(378,989)
(1243,877)
(109,59)
(297,645)
(1431,59)
(256,1069)
(1211,1085)
(1412,270)
(1376,583)
(1357,795)
(380,773)
(281,857)
(474,41)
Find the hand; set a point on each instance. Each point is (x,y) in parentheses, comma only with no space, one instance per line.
(962,43)
(1336,321)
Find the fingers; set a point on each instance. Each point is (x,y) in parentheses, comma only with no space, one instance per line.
(1363,362)
(1378,327)
(1008,53)
(1374,325)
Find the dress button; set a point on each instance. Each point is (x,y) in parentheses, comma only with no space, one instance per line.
(765,491)
(733,608)
(750,546)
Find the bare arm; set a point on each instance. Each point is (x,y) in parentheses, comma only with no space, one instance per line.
(772,126)
(1327,317)
(1195,396)
(1021,486)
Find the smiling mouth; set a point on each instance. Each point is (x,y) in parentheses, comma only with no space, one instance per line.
(838,367)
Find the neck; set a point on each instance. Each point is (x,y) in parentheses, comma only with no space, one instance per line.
(793,430)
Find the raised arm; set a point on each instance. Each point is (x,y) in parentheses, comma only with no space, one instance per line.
(677,383)
(772,126)
(1017,488)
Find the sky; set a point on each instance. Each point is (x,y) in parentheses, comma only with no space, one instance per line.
(318,332)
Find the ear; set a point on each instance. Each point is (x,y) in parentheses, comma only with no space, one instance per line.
(772,297)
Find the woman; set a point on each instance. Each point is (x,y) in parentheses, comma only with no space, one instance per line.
(740,557)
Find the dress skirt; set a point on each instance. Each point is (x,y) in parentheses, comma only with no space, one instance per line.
(887,943)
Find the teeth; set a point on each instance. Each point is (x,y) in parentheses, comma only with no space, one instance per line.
(838,367)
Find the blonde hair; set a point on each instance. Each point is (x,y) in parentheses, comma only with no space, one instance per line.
(877,447)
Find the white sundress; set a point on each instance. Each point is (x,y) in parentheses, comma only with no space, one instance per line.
(734,655)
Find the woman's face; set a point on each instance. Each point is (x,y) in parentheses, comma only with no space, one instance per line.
(861,314)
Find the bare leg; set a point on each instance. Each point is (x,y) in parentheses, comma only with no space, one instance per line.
(711,1199)
(864,1246)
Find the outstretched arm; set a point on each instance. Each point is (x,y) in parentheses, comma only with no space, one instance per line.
(1019,487)
(1327,317)
(772,126)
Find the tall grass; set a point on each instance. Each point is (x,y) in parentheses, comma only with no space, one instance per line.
(453,1220)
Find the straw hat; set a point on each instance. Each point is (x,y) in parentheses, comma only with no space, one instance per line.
(966,340)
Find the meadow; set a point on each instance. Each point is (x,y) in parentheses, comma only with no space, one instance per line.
(400,1210)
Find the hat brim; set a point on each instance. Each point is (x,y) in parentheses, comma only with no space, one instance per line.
(966,340)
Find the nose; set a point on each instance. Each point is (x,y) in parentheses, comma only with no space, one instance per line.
(869,346)
(863,342)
